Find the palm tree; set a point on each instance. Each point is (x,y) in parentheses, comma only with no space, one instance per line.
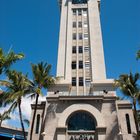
(18,86)
(4,116)
(138,55)
(7,59)
(128,84)
(138,117)
(41,79)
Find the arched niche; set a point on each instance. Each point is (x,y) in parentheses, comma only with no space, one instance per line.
(62,122)
(81,120)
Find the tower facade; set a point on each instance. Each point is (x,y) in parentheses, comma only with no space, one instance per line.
(80,54)
(82,105)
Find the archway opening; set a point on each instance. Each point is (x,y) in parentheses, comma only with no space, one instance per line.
(81,120)
(81,125)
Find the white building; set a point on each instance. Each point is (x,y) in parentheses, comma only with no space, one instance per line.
(82,105)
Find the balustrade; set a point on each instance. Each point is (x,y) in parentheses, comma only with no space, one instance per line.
(81,137)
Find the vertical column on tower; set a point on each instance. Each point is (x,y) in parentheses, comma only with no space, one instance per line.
(97,53)
(61,61)
(64,49)
(68,53)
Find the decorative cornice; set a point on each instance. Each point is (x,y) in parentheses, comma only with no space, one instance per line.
(40,105)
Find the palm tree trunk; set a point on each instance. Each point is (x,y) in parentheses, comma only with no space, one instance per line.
(1,122)
(135,116)
(33,120)
(21,121)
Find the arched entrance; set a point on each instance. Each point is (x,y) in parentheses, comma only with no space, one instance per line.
(81,125)
(63,133)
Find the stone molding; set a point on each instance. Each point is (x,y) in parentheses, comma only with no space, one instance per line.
(81,107)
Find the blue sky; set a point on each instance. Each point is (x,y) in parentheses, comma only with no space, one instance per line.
(32,27)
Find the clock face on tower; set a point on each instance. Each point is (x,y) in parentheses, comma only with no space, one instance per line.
(79,1)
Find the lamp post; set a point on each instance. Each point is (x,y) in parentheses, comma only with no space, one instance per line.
(120,135)
(43,134)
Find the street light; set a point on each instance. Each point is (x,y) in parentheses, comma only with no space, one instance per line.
(120,135)
(43,134)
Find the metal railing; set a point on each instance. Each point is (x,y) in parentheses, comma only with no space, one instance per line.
(81,137)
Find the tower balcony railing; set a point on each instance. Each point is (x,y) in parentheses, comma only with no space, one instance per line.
(81,135)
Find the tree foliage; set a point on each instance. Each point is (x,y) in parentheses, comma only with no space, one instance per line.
(138,55)
(17,87)
(6,60)
(41,79)
(4,116)
(128,84)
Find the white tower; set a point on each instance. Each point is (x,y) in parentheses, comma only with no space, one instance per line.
(80,54)
(82,105)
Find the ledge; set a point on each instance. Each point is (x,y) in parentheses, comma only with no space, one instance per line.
(39,106)
(101,130)
(124,104)
(98,98)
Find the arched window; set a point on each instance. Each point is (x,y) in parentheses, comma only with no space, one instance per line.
(37,123)
(81,121)
(128,124)
(79,1)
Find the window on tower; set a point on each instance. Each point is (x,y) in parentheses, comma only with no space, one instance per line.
(79,1)
(86,49)
(73,49)
(73,65)
(80,36)
(84,12)
(80,24)
(81,81)
(74,36)
(85,23)
(87,64)
(73,81)
(74,12)
(74,24)
(87,82)
(86,36)
(79,12)
(80,49)
(80,64)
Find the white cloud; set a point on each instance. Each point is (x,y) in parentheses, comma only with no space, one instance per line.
(26,106)
(26,110)
(5,122)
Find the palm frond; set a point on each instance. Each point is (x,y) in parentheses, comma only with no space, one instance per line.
(32,95)
(6,60)
(5,83)
(41,74)
(138,55)
(128,84)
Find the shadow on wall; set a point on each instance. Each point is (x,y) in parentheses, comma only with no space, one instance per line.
(113,135)
(50,115)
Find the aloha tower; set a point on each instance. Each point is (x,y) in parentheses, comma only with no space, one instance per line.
(82,105)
